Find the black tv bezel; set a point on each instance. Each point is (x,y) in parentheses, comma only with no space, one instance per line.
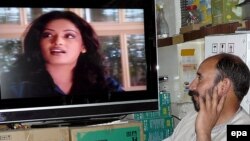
(127,103)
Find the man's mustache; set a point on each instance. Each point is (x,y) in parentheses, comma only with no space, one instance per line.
(193,93)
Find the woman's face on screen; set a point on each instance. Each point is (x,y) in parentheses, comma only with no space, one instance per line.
(61,43)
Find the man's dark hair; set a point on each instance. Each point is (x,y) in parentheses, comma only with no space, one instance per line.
(233,67)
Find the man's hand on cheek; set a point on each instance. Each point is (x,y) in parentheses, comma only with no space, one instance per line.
(210,109)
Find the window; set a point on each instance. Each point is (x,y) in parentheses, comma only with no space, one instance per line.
(101,15)
(33,13)
(9,16)
(9,48)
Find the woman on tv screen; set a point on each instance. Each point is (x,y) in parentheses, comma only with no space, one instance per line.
(61,58)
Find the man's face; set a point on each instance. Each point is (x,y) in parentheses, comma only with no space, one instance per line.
(203,83)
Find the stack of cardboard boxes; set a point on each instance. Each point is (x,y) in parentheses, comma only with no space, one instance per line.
(157,125)
(123,131)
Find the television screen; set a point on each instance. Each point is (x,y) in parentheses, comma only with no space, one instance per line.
(64,60)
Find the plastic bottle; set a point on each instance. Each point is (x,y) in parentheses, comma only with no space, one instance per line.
(162,25)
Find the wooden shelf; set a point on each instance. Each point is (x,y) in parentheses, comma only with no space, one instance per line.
(205,31)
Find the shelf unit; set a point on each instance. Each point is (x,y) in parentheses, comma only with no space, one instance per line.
(205,31)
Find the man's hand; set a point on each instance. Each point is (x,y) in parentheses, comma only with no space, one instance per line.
(210,109)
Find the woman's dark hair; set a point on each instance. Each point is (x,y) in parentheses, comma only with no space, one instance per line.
(89,64)
(34,33)
(232,67)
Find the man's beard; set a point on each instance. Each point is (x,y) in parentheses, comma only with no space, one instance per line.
(195,93)
(196,104)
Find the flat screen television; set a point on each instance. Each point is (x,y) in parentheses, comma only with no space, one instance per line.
(126,31)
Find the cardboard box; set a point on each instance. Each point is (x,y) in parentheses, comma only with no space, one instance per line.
(158,129)
(158,135)
(41,134)
(164,109)
(176,39)
(225,11)
(189,28)
(158,123)
(129,131)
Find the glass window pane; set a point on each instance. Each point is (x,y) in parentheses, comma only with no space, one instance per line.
(9,48)
(137,59)
(33,13)
(101,15)
(134,15)
(9,16)
(112,55)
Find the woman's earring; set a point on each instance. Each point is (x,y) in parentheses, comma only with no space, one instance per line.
(83,50)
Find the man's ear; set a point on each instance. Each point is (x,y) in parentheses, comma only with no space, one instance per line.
(225,86)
